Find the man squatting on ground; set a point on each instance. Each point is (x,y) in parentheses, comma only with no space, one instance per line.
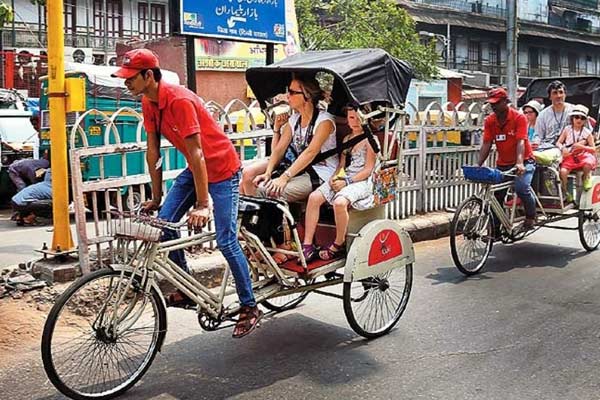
(213,168)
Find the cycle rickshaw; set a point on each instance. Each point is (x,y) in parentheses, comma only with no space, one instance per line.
(103,333)
(472,231)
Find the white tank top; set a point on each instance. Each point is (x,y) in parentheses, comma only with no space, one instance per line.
(327,167)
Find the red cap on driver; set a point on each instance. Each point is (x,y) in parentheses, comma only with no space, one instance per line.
(134,61)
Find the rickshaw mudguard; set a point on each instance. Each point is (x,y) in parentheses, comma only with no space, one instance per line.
(590,199)
(381,246)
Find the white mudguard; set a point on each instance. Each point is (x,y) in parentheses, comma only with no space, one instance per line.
(382,245)
(590,199)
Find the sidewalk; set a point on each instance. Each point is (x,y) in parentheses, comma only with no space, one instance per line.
(19,243)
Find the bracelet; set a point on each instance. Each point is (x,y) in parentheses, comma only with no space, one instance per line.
(349,181)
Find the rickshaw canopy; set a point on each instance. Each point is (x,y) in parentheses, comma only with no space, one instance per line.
(580,90)
(361,76)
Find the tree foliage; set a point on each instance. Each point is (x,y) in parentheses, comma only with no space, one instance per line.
(338,24)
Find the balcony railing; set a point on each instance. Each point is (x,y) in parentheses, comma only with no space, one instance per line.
(31,36)
(542,71)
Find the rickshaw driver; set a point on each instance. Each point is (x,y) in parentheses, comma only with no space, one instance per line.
(508,129)
(213,167)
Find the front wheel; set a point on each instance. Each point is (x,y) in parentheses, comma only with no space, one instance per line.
(589,229)
(374,305)
(102,335)
(471,236)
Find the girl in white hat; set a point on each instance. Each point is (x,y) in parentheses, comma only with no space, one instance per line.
(577,145)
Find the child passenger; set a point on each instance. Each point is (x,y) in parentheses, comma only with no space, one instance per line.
(349,186)
(577,145)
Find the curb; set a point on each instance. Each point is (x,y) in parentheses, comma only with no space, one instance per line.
(208,268)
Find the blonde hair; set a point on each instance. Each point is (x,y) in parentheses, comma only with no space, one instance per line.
(310,87)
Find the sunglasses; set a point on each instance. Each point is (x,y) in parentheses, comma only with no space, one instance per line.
(578,117)
(292,92)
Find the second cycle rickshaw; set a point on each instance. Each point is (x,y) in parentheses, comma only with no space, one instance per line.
(103,333)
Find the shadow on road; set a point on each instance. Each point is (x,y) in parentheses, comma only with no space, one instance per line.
(215,366)
(507,257)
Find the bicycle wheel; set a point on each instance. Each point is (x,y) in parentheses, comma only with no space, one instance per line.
(374,305)
(471,236)
(589,229)
(102,335)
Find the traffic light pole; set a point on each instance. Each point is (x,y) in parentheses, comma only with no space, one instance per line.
(61,240)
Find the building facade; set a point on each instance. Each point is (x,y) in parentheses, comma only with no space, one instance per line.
(556,37)
(92,27)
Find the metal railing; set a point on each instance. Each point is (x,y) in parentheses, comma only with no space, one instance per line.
(437,141)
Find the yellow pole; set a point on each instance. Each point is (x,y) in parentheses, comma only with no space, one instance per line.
(61,239)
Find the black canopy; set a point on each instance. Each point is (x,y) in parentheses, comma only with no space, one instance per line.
(580,90)
(362,76)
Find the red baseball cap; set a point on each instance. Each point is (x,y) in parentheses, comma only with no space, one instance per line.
(497,94)
(134,61)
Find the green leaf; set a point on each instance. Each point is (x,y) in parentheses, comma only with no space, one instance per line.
(340,24)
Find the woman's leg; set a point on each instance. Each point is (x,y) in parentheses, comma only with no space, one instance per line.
(249,173)
(587,184)
(340,209)
(315,200)
(564,176)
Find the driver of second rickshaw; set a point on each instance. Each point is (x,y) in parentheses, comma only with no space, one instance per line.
(213,168)
(306,133)
(507,128)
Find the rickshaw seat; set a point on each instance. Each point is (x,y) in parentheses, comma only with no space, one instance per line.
(381,136)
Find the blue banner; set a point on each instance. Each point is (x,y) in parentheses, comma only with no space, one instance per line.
(247,20)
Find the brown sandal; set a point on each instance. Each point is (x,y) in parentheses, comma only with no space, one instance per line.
(180,300)
(247,321)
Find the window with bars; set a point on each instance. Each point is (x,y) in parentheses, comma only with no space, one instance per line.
(151,24)
(474,55)
(112,22)
(572,58)
(554,62)
(70,16)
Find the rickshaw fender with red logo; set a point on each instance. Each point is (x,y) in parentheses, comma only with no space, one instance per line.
(383,246)
(590,199)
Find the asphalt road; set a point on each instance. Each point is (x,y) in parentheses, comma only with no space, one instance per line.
(528,327)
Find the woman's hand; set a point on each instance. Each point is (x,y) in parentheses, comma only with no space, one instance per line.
(276,187)
(578,146)
(280,120)
(266,177)
(149,206)
(338,184)
(565,152)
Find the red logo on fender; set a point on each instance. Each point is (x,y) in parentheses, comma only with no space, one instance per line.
(384,247)
(596,194)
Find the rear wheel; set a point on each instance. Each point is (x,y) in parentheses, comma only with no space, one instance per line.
(102,335)
(589,229)
(471,236)
(374,305)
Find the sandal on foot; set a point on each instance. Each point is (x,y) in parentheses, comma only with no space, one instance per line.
(281,258)
(310,252)
(247,321)
(180,300)
(332,251)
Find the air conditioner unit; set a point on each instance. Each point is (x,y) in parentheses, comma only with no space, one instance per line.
(476,78)
(79,54)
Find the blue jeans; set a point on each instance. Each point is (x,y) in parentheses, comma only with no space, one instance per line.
(523,188)
(225,196)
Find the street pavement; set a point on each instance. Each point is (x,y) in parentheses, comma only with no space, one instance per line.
(18,243)
(528,327)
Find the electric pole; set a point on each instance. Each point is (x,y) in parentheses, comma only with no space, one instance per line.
(512,50)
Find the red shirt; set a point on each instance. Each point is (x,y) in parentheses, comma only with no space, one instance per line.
(184,115)
(506,136)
